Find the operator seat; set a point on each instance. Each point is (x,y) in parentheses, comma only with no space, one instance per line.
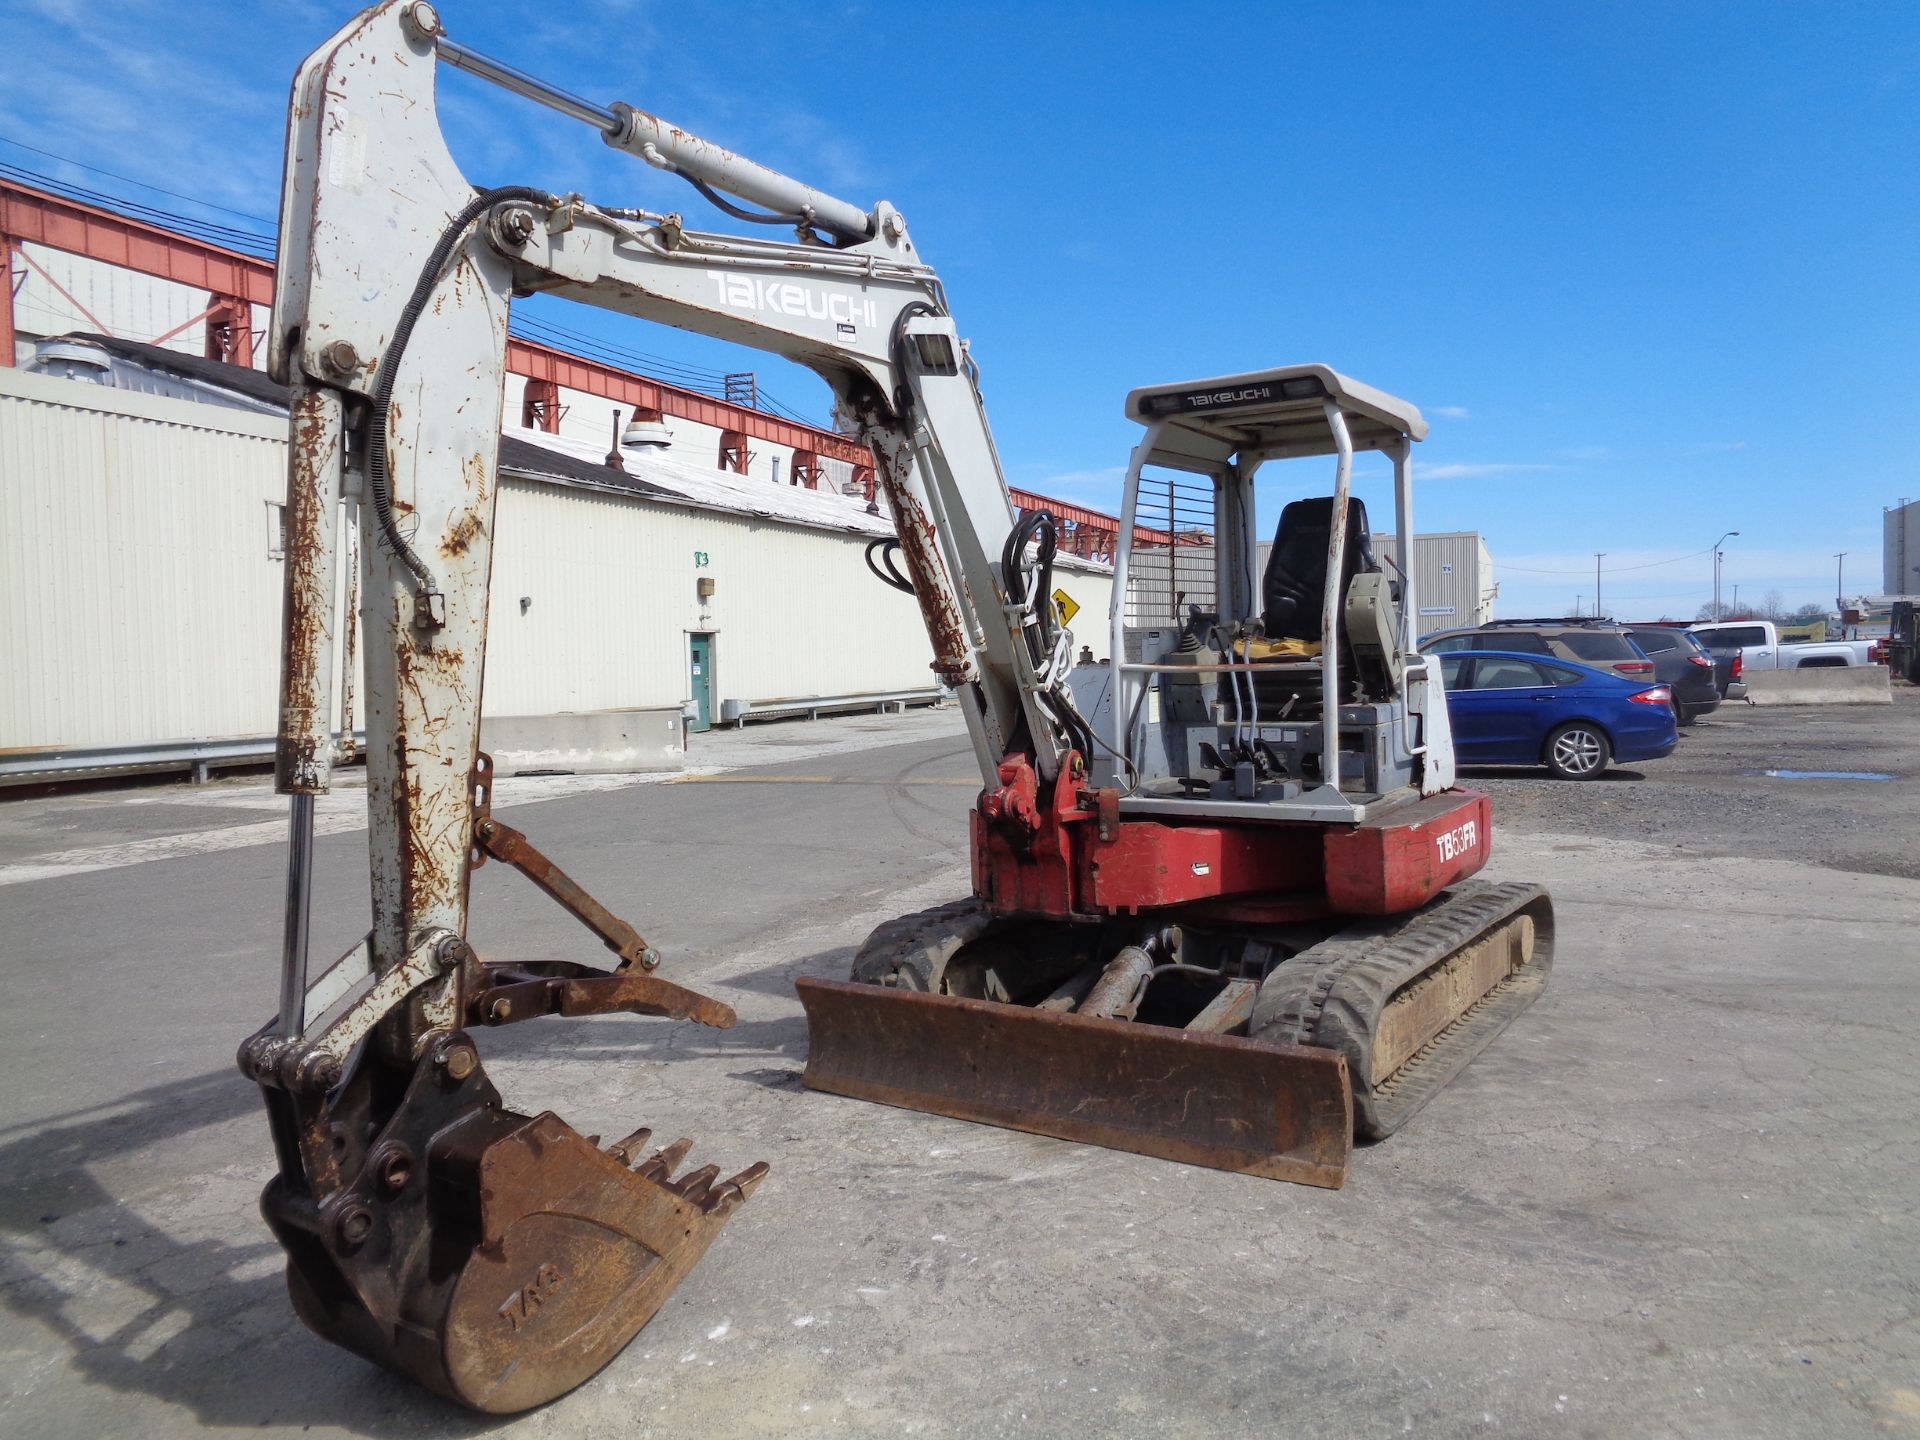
(1294,589)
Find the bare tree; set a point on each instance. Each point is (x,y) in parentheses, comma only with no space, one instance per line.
(1773,605)
(1710,611)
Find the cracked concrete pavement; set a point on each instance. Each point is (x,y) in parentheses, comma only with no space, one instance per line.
(1676,1198)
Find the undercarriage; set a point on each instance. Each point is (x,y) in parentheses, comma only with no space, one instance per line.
(1257,1048)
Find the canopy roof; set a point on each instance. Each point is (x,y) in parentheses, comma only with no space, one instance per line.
(1268,414)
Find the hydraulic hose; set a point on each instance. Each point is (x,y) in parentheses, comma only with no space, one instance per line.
(1014,575)
(379,486)
(887,547)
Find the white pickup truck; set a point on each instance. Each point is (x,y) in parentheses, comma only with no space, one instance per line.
(1761,649)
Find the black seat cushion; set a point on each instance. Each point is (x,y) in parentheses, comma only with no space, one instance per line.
(1293,591)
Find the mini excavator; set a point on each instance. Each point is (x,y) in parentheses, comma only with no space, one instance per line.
(1222,906)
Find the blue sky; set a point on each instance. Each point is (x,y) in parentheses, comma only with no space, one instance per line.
(1649,269)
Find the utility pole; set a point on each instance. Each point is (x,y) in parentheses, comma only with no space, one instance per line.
(1598,556)
(1736,598)
(1577,600)
(1716,571)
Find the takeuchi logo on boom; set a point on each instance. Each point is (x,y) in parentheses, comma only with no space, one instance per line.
(784,297)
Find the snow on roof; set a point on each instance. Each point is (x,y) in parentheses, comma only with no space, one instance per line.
(648,473)
(652,472)
(662,474)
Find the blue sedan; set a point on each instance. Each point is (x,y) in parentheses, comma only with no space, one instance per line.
(1509,708)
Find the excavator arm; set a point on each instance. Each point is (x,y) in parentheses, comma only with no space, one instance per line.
(501,1259)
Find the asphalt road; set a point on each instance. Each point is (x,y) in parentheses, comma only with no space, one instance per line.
(1675,1199)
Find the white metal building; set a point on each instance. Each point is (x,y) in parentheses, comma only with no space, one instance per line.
(1453,584)
(1900,549)
(1452,577)
(140,583)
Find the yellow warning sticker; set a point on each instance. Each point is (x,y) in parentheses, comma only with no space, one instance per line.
(1069,607)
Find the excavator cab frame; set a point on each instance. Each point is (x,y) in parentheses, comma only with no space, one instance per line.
(1226,429)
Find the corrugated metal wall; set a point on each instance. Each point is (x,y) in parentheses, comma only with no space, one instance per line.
(141,600)
(138,600)
(594,596)
(1452,578)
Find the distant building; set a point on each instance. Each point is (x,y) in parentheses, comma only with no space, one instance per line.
(1900,550)
(1453,583)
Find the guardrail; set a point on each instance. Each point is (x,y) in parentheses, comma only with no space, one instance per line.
(738,712)
(198,757)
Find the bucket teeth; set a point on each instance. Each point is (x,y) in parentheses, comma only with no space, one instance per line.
(733,1191)
(693,1186)
(660,1165)
(625,1150)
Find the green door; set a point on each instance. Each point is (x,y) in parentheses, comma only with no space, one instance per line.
(700,676)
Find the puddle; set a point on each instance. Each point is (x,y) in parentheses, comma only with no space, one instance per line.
(1823,774)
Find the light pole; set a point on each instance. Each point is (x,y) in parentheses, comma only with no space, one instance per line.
(1736,599)
(1840,580)
(1716,570)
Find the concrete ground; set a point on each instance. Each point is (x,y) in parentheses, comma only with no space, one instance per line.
(1676,1198)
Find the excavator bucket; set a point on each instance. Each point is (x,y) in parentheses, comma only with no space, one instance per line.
(498,1259)
(1284,1112)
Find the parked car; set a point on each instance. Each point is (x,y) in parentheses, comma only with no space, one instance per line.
(1682,664)
(1519,708)
(1728,666)
(1584,641)
(1760,647)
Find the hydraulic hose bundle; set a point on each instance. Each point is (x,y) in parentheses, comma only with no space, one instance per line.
(1029,586)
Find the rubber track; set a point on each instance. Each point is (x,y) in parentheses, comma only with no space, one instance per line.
(1333,993)
(910,952)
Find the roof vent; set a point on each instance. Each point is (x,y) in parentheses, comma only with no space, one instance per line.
(646,432)
(72,360)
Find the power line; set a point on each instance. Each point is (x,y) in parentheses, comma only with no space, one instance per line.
(556,328)
(692,377)
(1618,569)
(129,180)
(246,241)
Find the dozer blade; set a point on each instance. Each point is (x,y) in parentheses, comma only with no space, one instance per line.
(498,1259)
(1280,1111)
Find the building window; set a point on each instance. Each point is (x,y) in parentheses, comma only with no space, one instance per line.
(276,530)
